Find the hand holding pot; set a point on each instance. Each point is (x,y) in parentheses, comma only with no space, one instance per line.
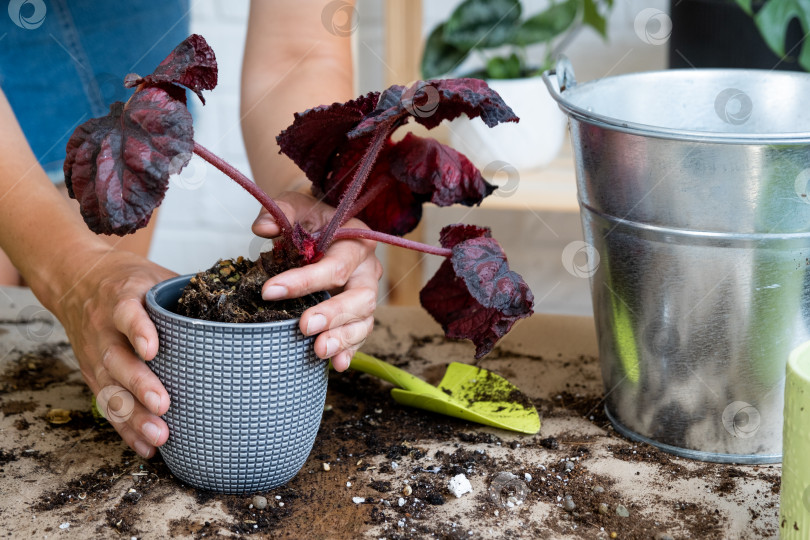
(111,333)
(349,270)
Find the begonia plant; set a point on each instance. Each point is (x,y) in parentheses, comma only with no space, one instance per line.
(118,168)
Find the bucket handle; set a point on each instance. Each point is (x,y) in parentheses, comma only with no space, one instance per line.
(565,78)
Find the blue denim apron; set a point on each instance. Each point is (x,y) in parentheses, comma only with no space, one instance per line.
(63,62)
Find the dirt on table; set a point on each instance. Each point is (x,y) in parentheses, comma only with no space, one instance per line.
(381,470)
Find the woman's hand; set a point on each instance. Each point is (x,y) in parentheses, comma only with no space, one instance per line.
(112,335)
(349,271)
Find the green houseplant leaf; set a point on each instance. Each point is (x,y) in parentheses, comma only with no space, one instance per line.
(773,19)
(594,19)
(483,23)
(498,31)
(547,24)
(440,57)
(509,67)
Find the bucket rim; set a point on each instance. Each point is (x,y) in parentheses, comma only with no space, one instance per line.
(551,79)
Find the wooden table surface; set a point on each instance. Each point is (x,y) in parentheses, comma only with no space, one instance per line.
(79,480)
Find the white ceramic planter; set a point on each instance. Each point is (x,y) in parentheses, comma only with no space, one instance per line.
(529,144)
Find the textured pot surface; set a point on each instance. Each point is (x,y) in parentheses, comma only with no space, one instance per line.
(246,399)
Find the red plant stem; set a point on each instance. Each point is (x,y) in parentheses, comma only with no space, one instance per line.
(369,196)
(367,234)
(343,209)
(249,186)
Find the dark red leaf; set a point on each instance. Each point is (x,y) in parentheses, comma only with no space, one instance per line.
(118,166)
(334,181)
(396,210)
(430,102)
(191,64)
(317,135)
(455,234)
(474,295)
(388,109)
(431,168)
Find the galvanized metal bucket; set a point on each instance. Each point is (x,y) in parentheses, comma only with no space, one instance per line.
(693,193)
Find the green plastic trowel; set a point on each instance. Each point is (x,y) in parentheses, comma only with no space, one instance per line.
(465,392)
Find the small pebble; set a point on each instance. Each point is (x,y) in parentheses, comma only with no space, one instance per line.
(568,503)
(569,465)
(401,501)
(64,525)
(348,484)
(358,500)
(260,502)
(622,511)
(407,490)
(604,508)
(598,489)
(528,477)
(394,465)
(663,536)
(614,534)
(326,467)
(278,497)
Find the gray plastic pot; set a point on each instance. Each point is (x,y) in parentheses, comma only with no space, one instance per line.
(246,399)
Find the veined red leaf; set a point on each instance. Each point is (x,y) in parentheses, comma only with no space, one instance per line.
(118,166)
(317,135)
(430,102)
(431,168)
(191,64)
(475,295)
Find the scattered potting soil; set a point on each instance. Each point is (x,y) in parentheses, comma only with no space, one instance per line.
(230,291)
(36,370)
(381,466)
(489,387)
(17,406)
